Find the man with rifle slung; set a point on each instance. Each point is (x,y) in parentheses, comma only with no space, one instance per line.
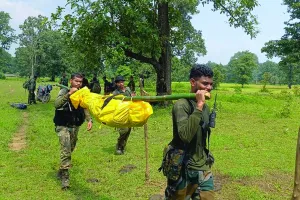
(191,131)
(67,121)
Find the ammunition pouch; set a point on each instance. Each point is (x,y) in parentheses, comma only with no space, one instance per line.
(173,163)
(69,118)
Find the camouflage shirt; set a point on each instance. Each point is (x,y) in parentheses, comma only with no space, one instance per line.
(32,84)
(131,85)
(64,98)
(127,92)
(64,81)
(188,134)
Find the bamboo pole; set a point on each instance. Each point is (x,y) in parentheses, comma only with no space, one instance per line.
(153,98)
(147,175)
(296,192)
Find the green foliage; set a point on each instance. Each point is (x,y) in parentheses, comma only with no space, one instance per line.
(242,65)
(238,90)
(239,13)
(2,76)
(29,39)
(296,90)
(124,71)
(7,36)
(147,31)
(6,61)
(265,81)
(287,48)
(285,109)
(277,76)
(180,70)
(219,73)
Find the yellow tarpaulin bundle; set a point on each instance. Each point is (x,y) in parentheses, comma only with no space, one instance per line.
(116,113)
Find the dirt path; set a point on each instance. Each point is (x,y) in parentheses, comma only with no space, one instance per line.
(19,140)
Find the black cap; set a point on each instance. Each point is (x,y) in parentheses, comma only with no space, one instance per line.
(119,78)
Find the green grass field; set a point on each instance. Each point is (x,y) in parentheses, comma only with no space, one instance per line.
(254,145)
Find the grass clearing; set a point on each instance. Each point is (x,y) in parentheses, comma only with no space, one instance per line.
(254,144)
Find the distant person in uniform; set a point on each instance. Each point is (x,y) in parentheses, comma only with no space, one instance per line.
(64,80)
(124,132)
(106,86)
(85,82)
(142,80)
(95,85)
(113,84)
(131,84)
(31,89)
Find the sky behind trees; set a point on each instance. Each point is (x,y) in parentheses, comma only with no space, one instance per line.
(221,40)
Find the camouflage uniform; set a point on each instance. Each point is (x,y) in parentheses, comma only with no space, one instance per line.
(131,85)
(31,89)
(124,132)
(67,129)
(197,179)
(64,81)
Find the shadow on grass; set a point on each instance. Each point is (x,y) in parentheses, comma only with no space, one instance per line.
(78,189)
(109,150)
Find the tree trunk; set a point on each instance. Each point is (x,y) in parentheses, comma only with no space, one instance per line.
(163,71)
(296,192)
(290,76)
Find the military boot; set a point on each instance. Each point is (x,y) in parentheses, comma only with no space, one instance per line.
(119,150)
(59,174)
(65,181)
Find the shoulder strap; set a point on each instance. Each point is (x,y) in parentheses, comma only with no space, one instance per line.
(191,106)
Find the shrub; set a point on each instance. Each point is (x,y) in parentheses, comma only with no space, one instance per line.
(2,76)
(296,91)
(238,90)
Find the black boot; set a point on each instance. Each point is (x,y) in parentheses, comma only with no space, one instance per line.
(65,181)
(59,174)
(119,150)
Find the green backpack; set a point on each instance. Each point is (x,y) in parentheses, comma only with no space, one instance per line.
(26,84)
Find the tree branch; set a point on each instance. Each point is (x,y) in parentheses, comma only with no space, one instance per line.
(228,11)
(142,58)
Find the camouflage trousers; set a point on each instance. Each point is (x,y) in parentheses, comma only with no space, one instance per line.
(195,185)
(122,140)
(67,139)
(31,97)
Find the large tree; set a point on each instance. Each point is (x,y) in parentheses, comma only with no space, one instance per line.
(242,65)
(32,28)
(7,36)
(151,31)
(273,69)
(288,47)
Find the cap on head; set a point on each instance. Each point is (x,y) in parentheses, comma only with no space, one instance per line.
(119,78)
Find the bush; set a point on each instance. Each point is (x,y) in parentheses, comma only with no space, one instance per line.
(238,90)
(296,91)
(264,89)
(285,111)
(2,76)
